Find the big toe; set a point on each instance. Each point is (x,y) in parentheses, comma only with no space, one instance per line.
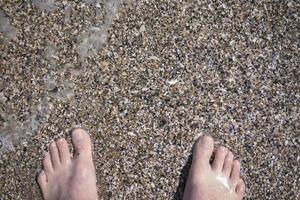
(202,152)
(82,143)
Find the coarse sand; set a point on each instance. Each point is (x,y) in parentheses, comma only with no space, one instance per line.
(146,78)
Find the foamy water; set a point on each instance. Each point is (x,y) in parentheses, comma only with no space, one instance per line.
(6,28)
(90,40)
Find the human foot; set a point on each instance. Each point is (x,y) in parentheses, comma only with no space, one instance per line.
(217,181)
(69,178)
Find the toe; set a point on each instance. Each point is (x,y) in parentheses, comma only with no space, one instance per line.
(228,164)
(82,143)
(203,149)
(63,150)
(47,164)
(42,181)
(240,189)
(219,158)
(54,155)
(235,172)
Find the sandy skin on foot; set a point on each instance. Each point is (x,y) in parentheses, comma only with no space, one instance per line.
(65,177)
(73,178)
(217,181)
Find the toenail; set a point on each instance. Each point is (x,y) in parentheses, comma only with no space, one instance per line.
(240,188)
(237,163)
(78,133)
(206,140)
(229,156)
(223,149)
(53,144)
(60,140)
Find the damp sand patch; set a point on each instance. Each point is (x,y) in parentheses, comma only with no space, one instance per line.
(59,47)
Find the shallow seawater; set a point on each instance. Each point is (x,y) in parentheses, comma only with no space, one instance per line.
(24,114)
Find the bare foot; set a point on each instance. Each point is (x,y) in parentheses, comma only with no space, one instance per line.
(69,178)
(217,181)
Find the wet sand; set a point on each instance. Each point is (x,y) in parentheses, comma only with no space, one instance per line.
(146,79)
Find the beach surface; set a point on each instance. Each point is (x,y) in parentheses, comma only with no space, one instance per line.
(146,78)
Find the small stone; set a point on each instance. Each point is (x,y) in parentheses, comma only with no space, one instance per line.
(173,81)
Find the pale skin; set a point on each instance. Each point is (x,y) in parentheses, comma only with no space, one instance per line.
(66,177)
(217,181)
